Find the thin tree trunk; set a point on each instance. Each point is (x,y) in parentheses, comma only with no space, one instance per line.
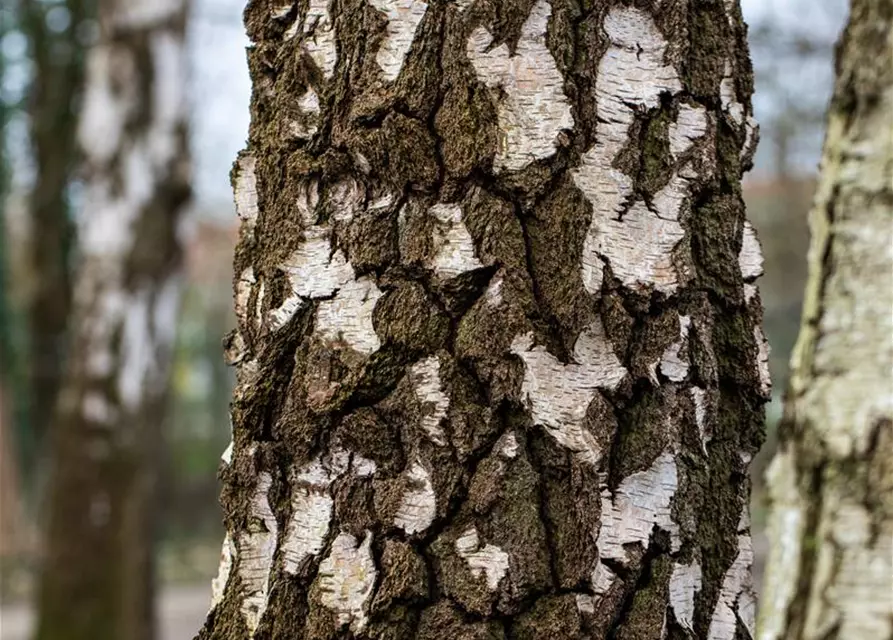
(500,370)
(831,483)
(52,108)
(98,569)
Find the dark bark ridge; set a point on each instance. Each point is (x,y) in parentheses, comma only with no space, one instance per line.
(420,453)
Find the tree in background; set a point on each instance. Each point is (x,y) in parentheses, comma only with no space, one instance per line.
(97,575)
(831,483)
(499,358)
(55,31)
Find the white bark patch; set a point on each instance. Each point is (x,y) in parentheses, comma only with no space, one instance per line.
(750,292)
(691,124)
(735,583)
(488,560)
(558,394)
(245,192)
(672,365)
(309,106)
(602,578)
(641,503)
(685,583)
(533,109)
(243,294)
(218,584)
(138,358)
(319,37)
(311,514)
(454,248)
(493,294)
(425,378)
(348,316)
(632,75)
(314,271)
(362,467)
(256,548)
(403,17)
(346,579)
(419,505)
(763,360)
(699,398)
(729,97)
(750,258)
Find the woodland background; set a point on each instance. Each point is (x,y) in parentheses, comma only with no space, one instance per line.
(792,45)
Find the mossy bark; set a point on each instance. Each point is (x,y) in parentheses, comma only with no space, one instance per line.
(500,371)
(97,571)
(831,482)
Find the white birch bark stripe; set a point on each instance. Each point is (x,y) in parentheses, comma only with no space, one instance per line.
(632,75)
(454,252)
(403,18)
(346,579)
(674,362)
(559,394)
(641,502)
(245,192)
(311,514)
(319,36)
(534,108)
(256,548)
(419,504)
(424,376)
(736,600)
(487,560)
(685,583)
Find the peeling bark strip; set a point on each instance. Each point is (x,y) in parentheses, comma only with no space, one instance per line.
(98,574)
(500,371)
(831,483)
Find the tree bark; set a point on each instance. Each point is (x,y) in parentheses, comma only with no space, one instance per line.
(98,569)
(52,109)
(500,370)
(831,482)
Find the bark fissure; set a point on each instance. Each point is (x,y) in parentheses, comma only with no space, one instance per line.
(528,403)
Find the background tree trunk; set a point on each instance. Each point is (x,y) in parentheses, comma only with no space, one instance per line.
(98,570)
(831,482)
(500,370)
(55,91)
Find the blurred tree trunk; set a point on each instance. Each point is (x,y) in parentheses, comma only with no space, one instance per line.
(56,84)
(831,483)
(500,370)
(98,568)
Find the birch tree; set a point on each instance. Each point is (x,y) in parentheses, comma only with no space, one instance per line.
(499,358)
(831,482)
(97,573)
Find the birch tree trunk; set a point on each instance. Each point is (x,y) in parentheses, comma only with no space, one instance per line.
(500,370)
(98,568)
(57,86)
(831,483)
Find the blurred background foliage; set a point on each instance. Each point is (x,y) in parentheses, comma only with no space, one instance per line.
(43,40)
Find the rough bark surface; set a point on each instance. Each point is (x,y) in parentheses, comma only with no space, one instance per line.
(97,574)
(831,483)
(500,370)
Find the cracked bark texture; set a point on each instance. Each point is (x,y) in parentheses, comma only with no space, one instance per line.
(500,370)
(831,483)
(97,573)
